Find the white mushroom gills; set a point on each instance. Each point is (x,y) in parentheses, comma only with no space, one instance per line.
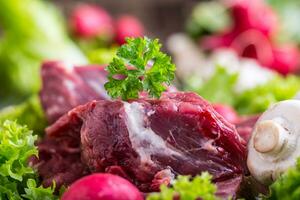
(274,144)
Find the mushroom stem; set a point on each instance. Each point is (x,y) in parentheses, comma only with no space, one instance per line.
(269,137)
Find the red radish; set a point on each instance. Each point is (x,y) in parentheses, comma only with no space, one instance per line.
(128,26)
(88,21)
(254,44)
(255,22)
(227,112)
(286,59)
(253,14)
(102,187)
(217,41)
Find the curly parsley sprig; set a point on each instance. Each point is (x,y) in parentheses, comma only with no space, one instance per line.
(139,66)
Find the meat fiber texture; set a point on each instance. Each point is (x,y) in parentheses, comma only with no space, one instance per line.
(65,86)
(146,141)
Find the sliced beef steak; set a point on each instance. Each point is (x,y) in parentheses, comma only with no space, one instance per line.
(149,142)
(65,86)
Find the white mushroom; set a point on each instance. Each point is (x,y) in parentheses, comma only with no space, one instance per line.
(275,142)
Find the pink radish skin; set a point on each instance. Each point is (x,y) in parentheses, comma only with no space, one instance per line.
(255,22)
(128,26)
(227,112)
(88,21)
(286,59)
(102,187)
(217,41)
(254,14)
(254,44)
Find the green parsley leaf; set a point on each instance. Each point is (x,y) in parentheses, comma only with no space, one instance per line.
(139,66)
(188,189)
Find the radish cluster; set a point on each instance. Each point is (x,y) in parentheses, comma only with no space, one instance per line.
(90,21)
(254,26)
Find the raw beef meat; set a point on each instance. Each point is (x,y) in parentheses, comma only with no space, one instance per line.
(65,86)
(150,141)
(60,160)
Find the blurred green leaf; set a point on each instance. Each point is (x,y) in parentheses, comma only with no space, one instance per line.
(187,188)
(258,99)
(287,187)
(101,55)
(32,32)
(219,88)
(289,15)
(28,113)
(208,17)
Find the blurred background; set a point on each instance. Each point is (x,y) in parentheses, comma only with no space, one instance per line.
(160,17)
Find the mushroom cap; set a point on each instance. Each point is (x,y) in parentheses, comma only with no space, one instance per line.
(274,143)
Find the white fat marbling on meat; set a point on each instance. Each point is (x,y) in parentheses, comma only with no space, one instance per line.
(68,67)
(70,85)
(52,110)
(100,90)
(143,139)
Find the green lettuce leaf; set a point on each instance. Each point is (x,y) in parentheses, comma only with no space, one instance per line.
(32,32)
(203,21)
(219,88)
(32,192)
(199,187)
(287,187)
(29,112)
(289,14)
(258,99)
(101,55)
(17,178)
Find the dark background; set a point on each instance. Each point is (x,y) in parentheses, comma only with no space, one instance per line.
(160,17)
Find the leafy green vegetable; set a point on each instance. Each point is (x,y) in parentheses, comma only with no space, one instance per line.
(151,69)
(288,186)
(101,55)
(188,189)
(29,112)
(289,14)
(33,192)
(258,99)
(32,32)
(203,21)
(219,88)
(16,147)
